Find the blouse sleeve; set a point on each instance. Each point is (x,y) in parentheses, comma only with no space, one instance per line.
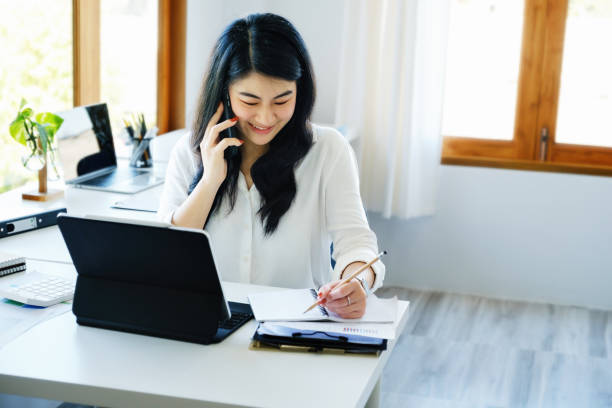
(345,216)
(179,175)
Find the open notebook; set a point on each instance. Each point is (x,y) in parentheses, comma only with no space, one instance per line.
(289,305)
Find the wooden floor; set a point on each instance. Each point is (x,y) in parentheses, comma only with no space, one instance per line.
(468,351)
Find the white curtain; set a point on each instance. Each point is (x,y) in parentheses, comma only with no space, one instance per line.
(390,92)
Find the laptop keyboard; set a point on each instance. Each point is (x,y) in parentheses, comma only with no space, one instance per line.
(237,320)
(115,177)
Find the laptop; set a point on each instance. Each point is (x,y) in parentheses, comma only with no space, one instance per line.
(148,278)
(87,154)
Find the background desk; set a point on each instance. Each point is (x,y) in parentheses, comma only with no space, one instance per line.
(47,243)
(63,361)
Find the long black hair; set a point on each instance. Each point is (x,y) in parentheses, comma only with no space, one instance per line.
(267,44)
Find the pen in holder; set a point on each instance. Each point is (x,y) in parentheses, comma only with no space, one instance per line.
(140,137)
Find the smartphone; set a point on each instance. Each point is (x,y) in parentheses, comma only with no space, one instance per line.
(231,151)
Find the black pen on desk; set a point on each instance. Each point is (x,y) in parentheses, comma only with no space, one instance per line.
(129,128)
(348,278)
(143,126)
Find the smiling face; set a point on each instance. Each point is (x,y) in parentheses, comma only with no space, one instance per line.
(263,105)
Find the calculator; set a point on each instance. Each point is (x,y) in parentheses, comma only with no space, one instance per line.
(36,289)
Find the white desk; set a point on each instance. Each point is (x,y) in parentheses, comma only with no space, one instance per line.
(61,360)
(47,243)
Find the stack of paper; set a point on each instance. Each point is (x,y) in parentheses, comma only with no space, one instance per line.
(286,308)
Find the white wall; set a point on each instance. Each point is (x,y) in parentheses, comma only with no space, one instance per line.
(501,233)
(535,236)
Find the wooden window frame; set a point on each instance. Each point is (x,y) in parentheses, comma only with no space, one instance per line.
(170,59)
(86,51)
(536,108)
(171,65)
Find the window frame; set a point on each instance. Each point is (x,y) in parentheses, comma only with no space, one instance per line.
(170,59)
(172,42)
(85,52)
(536,107)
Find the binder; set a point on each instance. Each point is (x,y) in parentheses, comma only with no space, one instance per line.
(288,339)
(30,221)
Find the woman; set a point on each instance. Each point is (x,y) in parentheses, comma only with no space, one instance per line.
(271,209)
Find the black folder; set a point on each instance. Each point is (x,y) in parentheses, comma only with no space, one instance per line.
(289,339)
(149,279)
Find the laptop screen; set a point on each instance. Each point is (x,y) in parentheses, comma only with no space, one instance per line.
(85,141)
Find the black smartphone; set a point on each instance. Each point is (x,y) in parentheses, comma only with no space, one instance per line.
(231,151)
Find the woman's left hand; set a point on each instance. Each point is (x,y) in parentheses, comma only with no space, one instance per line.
(348,301)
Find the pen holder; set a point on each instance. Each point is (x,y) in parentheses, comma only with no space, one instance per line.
(141,153)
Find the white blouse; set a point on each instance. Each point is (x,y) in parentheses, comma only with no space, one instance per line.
(327,207)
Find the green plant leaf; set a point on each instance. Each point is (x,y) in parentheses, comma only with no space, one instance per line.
(23,103)
(18,131)
(27,112)
(49,132)
(50,121)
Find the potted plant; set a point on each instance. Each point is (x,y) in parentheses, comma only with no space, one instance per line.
(37,133)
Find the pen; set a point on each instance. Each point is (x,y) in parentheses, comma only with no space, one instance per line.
(344,280)
(143,126)
(129,128)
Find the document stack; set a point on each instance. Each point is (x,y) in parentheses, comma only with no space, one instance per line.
(284,325)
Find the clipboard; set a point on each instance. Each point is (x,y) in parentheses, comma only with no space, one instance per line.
(289,339)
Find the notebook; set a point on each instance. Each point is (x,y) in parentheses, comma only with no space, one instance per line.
(289,305)
(10,263)
(147,201)
(87,153)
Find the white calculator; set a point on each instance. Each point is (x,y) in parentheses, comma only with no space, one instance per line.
(36,289)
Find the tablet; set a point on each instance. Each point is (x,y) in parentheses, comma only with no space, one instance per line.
(148,278)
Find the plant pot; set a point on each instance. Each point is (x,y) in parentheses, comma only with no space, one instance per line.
(43,194)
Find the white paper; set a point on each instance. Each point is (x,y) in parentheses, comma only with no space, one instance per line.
(147,201)
(289,305)
(16,320)
(285,305)
(378,330)
(275,329)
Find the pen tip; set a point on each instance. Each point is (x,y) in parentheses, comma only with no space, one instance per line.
(384,252)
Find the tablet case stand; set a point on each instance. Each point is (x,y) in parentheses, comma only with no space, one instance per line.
(150,310)
(159,281)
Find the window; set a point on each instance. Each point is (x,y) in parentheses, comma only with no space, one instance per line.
(75,52)
(36,44)
(128,63)
(545,108)
(481,83)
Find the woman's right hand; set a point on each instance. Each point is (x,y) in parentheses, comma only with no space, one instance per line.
(212,148)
